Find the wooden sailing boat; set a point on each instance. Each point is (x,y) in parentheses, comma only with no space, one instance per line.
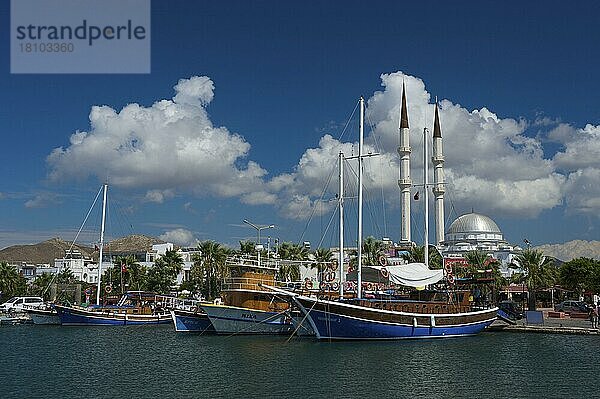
(134,308)
(362,318)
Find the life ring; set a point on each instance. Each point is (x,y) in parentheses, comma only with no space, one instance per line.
(308,284)
(382,260)
(384,272)
(329,276)
(380,287)
(322,285)
(334,265)
(350,269)
(369,286)
(450,279)
(335,286)
(448,268)
(108,289)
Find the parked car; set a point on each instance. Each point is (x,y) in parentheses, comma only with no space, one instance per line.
(572,306)
(16,304)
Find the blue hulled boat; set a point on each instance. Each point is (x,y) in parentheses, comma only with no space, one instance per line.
(191,321)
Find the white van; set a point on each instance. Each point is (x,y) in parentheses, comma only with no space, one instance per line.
(16,304)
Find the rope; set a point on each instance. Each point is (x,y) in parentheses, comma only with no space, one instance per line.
(301,322)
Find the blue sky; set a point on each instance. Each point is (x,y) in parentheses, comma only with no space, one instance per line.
(517,83)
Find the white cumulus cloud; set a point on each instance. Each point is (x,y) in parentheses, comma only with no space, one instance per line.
(179,236)
(162,148)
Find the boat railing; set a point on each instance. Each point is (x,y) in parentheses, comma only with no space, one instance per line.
(247,283)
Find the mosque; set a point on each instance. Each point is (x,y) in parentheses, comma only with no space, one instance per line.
(469,232)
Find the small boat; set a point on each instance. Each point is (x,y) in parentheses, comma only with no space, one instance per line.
(45,314)
(191,318)
(246,307)
(134,308)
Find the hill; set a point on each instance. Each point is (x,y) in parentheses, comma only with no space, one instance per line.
(43,252)
(572,249)
(47,251)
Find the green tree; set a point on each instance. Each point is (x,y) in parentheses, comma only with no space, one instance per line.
(209,268)
(536,271)
(480,260)
(323,257)
(12,283)
(580,275)
(296,253)
(417,254)
(161,277)
(247,247)
(41,285)
(372,250)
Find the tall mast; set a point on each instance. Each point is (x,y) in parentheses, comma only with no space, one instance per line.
(360,195)
(101,244)
(438,178)
(341,208)
(425,198)
(404,182)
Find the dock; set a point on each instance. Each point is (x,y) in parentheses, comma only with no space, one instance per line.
(549,325)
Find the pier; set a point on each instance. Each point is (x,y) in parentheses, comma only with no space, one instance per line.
(549,325)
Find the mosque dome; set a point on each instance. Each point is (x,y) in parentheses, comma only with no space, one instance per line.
(473,227)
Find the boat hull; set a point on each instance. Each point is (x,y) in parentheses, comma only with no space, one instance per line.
(44,317)
(337,321)
(234,320)
(71,316)
(186,321)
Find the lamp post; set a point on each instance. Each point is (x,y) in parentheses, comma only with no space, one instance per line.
(258,228)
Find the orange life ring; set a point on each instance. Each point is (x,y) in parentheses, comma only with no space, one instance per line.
(382,260)
(108,289)
(369,286)
(450,279)
(322,285)
(350,269)
(335,286)
(308,284)
(384,272)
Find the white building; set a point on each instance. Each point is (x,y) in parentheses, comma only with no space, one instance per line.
(477,232)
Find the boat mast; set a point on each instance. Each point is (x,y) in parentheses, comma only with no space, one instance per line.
(101,244)
(341,209)
(425,199)
(360,195)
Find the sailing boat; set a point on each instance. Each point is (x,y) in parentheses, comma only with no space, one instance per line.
(375,319)
(134,308)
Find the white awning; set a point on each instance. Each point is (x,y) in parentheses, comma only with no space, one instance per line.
(413,274)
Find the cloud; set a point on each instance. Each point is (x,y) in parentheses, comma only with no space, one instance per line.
(490,162)
(169,146)
(159,196)
(42,200)
(179,236)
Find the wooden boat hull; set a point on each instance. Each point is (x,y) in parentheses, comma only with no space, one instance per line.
(234,320)
(187,321)
(72,316)
(340,321)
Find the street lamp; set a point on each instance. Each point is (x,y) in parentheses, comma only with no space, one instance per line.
(259,228)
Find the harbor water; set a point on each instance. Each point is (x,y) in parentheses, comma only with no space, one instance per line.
(156,362)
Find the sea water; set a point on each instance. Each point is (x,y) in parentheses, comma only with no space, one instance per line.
(157,362)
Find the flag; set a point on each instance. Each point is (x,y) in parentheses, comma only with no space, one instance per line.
(416,197)
(124,268)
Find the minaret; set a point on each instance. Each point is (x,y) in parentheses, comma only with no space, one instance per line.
(404,182)
(438,178)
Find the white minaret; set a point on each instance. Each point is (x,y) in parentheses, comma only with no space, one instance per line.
(404,182)
(438,178)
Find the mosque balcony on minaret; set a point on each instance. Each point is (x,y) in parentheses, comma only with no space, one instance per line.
(405,183)
(438,159)
(404,150)
(439,189)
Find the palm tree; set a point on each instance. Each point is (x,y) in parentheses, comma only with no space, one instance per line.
(132,273)
(290,271)
(323,257)
(247,247)
(417,254)
(480,260)
(537,271)
(372,250)
(12,283)
(41,284)
(209,268)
